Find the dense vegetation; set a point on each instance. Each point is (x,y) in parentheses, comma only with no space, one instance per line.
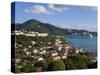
(56,65)
(73,62)
(40,41)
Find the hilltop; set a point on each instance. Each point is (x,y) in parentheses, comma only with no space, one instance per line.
(37,26)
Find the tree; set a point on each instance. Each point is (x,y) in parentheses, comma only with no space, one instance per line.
(28,67)
(56,66)
(93,65)
(41,64)
(77,62)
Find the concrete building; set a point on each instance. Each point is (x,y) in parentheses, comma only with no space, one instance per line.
(30,35)
(42,34)
(18,33)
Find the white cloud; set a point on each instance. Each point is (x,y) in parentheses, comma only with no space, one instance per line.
(59,8)
(37,9)
(40,9)
(89,8)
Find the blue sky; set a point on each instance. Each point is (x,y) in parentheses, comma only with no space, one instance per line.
(64,16)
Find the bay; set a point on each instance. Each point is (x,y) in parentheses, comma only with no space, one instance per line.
(86,42)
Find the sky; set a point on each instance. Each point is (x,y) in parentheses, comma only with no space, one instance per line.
(63,16)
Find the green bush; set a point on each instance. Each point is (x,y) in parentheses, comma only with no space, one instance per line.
(56,66)
(77,62)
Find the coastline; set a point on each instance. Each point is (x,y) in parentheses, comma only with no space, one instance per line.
(57,50)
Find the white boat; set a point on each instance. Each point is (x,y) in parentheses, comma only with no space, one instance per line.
(91,36)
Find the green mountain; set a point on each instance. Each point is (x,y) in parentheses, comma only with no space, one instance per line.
(35,25)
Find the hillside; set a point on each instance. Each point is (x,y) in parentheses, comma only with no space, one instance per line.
(35,25)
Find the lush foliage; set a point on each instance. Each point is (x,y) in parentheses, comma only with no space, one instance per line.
(40,41)
(77,62)
(56,66)
(73,61)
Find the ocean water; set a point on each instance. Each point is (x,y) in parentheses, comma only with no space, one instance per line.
(86,42)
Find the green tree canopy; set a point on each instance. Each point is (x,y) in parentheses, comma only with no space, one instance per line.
(77,62)
(56,66)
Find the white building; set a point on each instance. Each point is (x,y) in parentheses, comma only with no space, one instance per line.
(19,33)
(57,41)
(33,42)
(57,58)
(54,54)
(17,61)
(40,59)
(64,57)
(35,51)
(30,34)
(77,50)
(42,52)
(42,34)
(28,53)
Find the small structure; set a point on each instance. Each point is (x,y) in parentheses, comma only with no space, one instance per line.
(57,41)
(40,59)
(56,58)
(42,34)
(78,50)
(64,57)
(54,53)
(18,32)
(17,61)
(30,34)
(35,51)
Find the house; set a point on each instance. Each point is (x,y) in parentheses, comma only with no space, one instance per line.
(34,57)
(17,61)
(65,53)
(29,46)
(40,59)
(64,57)
(54,53)
(42,52)
(56,58)
(33,42)
(67,47)
(57,41)
(25,49)
(37,58)
(35,51)
(78,50)
(60,47)
(28,52)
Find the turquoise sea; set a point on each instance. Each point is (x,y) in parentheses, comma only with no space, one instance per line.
(86,42)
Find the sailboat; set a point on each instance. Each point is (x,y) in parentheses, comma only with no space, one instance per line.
(91,36)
